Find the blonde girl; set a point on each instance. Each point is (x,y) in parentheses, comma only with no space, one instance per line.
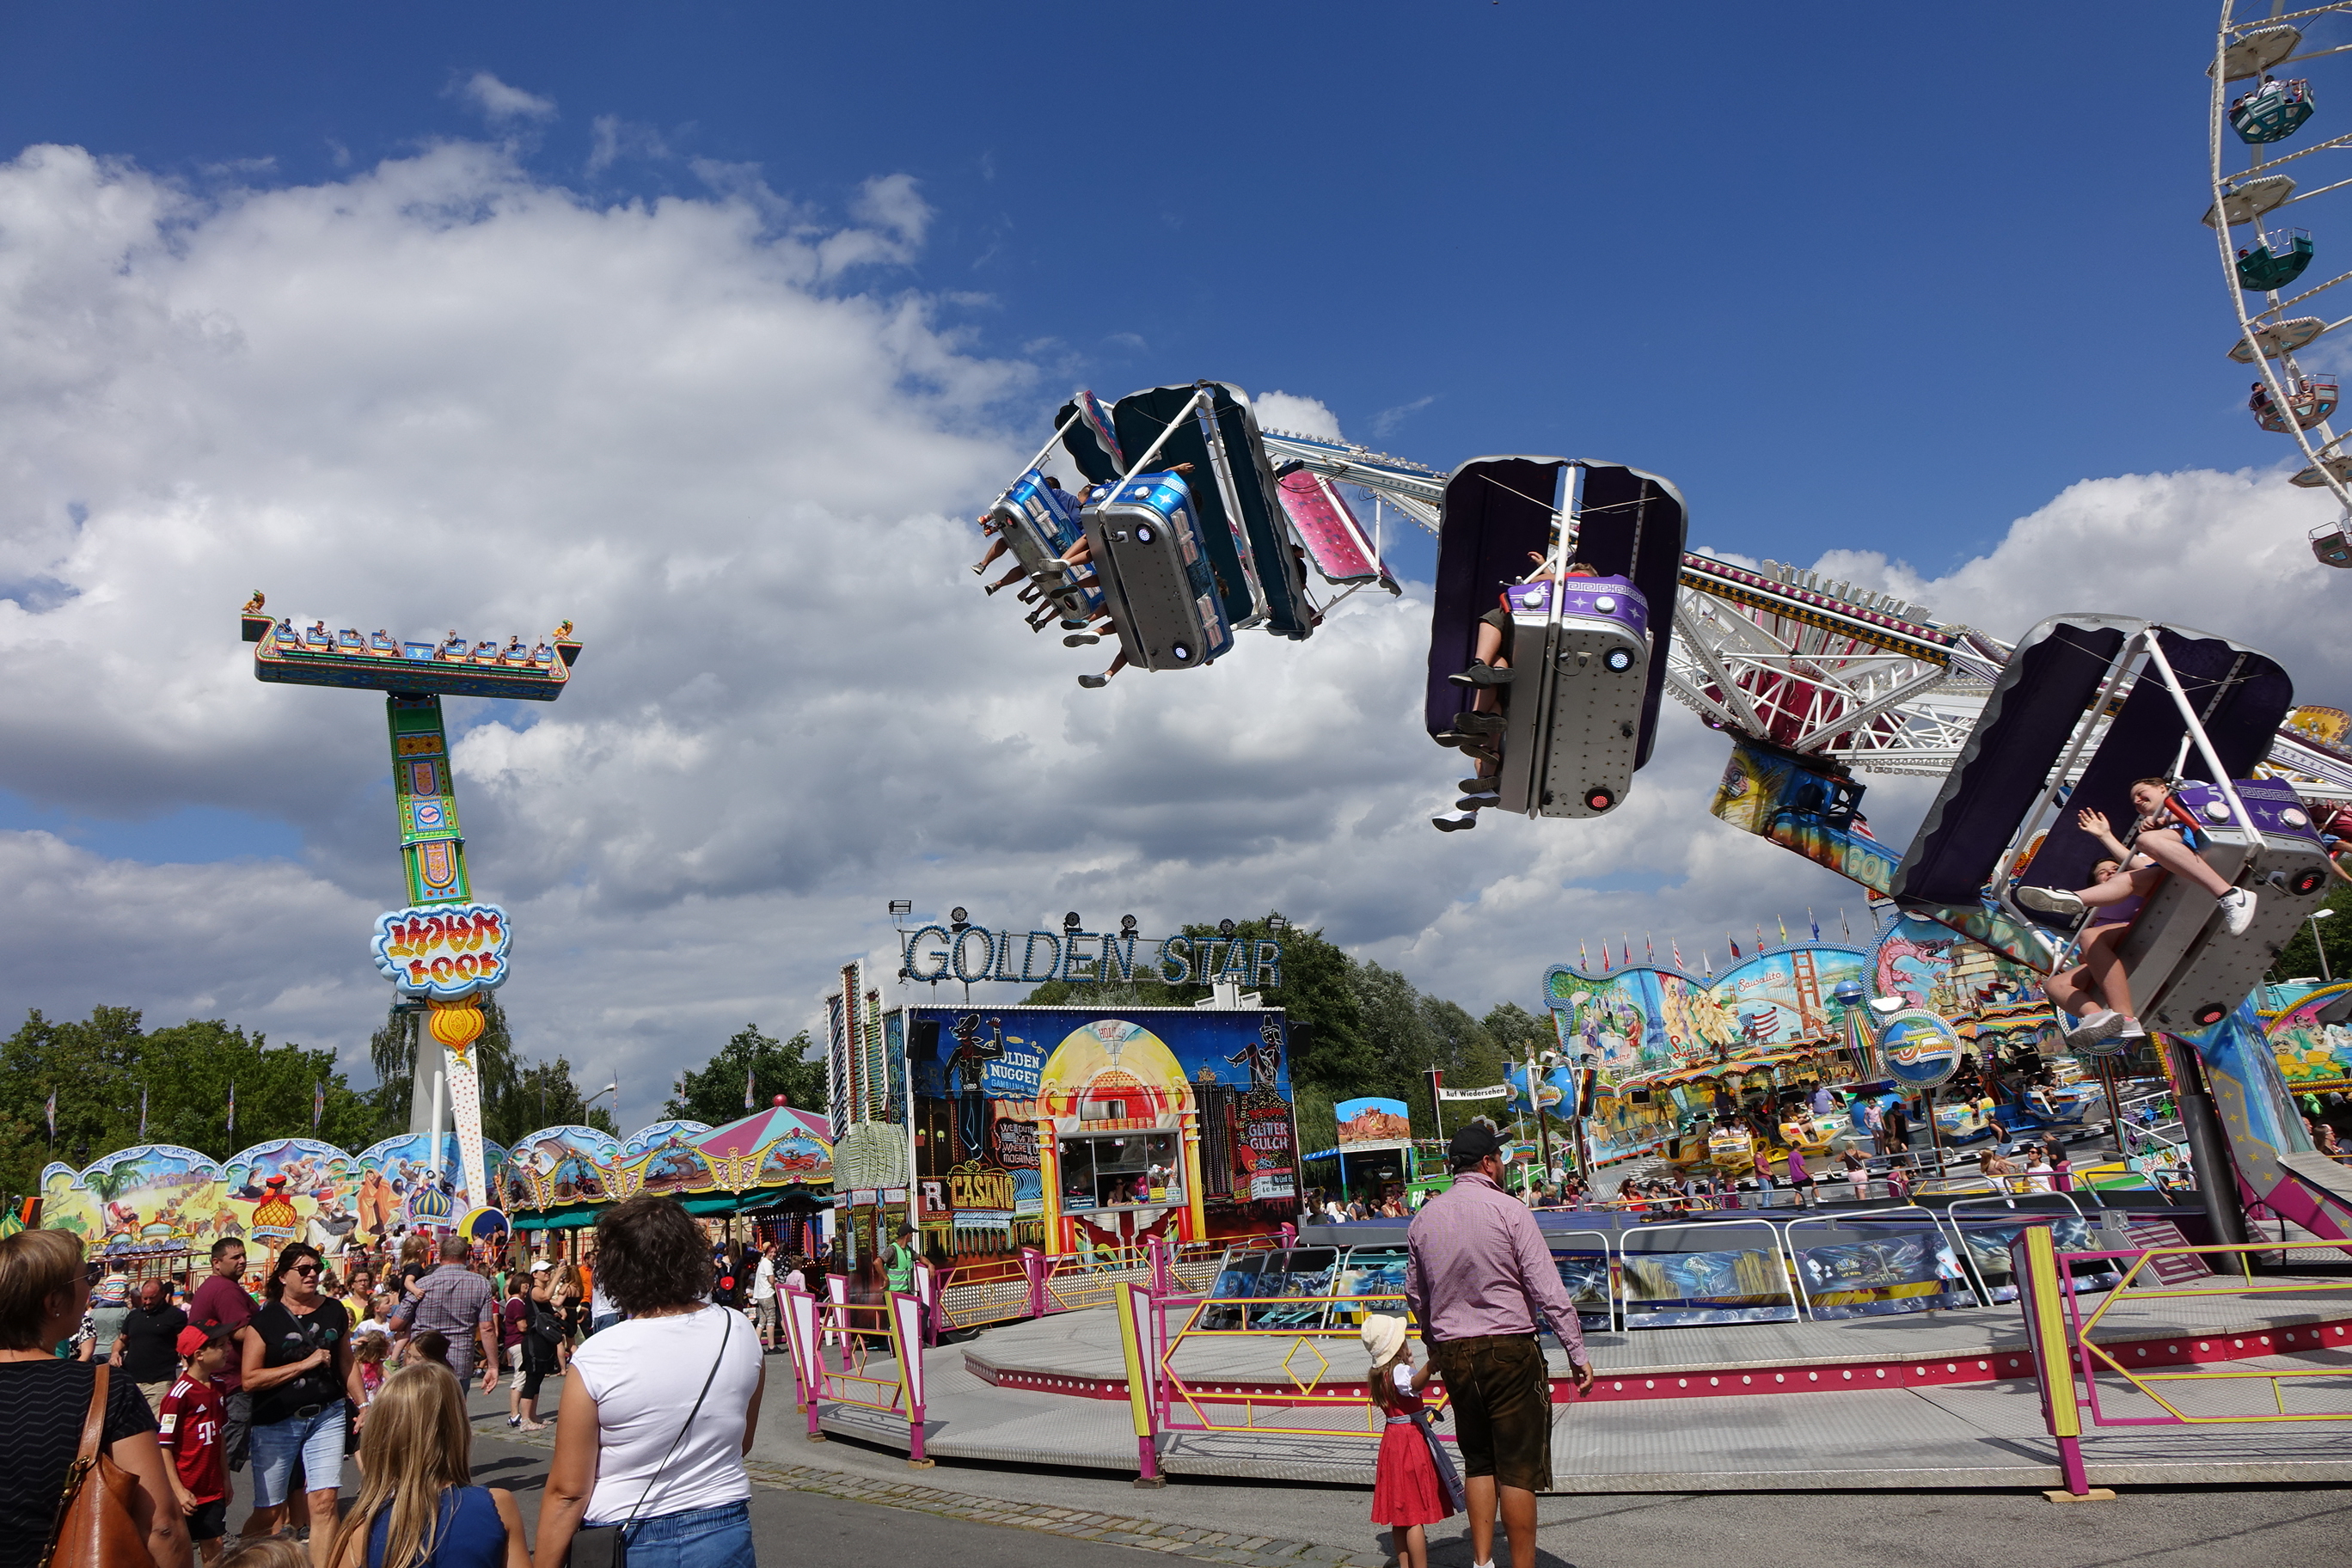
(417,1502)
(1408,1492)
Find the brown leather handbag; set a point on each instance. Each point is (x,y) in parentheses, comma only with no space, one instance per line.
(94,1525)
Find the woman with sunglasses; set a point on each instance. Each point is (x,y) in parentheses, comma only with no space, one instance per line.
(305,1388)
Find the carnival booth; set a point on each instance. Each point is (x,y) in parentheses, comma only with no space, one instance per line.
(1068,1129)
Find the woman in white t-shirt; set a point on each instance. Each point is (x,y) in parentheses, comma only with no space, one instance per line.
(660,1409)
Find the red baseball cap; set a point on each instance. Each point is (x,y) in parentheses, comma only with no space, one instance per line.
(193,1339)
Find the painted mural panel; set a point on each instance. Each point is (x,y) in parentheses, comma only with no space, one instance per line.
(155,1198)
(2313,1056)
(1818,815)
(559,1166)
(1646,1019)
(160,1199)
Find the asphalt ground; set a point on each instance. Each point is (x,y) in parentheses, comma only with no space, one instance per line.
(840,1502)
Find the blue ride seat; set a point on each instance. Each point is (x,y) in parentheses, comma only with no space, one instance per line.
(2272,113)
(1256,567)
(2276,261)
(1154,575)
(1039,523)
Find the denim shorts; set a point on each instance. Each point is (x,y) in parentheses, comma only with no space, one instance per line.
(717,1537)
(315,1440)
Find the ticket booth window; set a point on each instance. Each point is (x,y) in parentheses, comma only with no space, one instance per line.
(1120,1170)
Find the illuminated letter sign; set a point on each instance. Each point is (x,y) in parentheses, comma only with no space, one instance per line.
(446,951)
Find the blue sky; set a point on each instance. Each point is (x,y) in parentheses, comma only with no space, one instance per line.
(711,326)
(1868,276)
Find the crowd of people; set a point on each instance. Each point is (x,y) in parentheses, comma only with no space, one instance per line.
(201,1379)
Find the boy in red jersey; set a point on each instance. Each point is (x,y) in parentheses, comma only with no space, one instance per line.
(190,1432)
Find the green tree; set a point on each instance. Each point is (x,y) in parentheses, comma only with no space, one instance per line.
(545,1094)
(393,1049)
(1328,1049)
(98,1068)
(2300,958)
(714,1092)
(1514,1030)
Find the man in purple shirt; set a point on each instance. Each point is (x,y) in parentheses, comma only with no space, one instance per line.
(1476,1275)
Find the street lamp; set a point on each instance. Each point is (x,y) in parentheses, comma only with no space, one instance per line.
(2316,917)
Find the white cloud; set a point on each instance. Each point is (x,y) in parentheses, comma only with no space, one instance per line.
(612,139)
(441,393)
(1300,415)
(500,103)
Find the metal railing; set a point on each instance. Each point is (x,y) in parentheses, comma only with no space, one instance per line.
(2071,1365)
(853,1332)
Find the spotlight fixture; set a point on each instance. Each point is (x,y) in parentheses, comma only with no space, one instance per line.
(902,908)
(1070,921)
(1126,925)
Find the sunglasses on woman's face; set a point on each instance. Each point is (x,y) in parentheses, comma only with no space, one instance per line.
(303,1268)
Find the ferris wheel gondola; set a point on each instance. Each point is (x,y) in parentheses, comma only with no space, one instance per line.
(2260,102)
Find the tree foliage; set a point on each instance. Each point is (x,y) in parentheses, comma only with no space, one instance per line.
(517,1096)
(714,1091)
(2300,958)
(1356,1028)
(99,1066)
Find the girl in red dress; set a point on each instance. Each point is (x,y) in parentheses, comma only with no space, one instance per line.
(1406,1491)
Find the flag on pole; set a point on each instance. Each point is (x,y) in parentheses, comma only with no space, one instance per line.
(747,1088)
(1784,929)
(142,1113)
(1841,925)
(1759,936)
(318,1104)
(232,1108)
(1707,958)
(1649,949)
(1678,955)
(1734,947)
(1583,958)
(1627,938)
(53,1115)
(1604,958)
(1814,924)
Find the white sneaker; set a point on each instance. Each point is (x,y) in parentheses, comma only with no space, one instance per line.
(2094,1026)
(2050,901)
(2131,1030)
(2237,910)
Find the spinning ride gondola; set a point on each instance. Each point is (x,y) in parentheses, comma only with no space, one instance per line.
(1576,711)
(1180,537)
(2125,700)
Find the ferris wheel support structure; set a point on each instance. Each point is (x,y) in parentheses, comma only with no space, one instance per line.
(2268,338)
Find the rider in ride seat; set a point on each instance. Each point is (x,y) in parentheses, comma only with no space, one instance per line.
(1490,671)
(2096,992)
(2163,834)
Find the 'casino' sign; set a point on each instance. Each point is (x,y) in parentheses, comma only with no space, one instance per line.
(446,951)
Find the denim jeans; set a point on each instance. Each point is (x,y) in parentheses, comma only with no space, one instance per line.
(717,1537)
(315,1440)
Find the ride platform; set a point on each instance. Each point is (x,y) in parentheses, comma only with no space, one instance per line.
(1690,1409)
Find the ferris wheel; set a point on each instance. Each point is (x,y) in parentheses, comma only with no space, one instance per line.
(2262,102)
